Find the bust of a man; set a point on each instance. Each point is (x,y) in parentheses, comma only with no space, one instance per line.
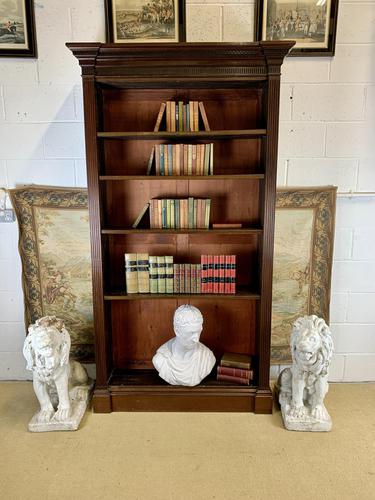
(183,360)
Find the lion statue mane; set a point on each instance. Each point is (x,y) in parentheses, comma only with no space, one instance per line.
(55,379)
(303,386)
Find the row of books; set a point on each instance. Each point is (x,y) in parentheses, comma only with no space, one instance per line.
(182,117)
(218,274)
(186,213)
(158,274)
(187,278)
(235,368)
(182,159)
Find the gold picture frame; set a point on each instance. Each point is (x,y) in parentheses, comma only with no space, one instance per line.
(304,232)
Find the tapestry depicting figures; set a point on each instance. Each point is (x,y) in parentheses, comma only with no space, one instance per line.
(55,251)
(304,228)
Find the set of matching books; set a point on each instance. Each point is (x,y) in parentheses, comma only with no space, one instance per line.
(182,117)
(182,159)
(148,273)
(187,213)
(235,368)
(187,278)
(137,273)
(218,274)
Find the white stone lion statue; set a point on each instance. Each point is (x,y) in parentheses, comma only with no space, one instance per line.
(58,383)
(303,386)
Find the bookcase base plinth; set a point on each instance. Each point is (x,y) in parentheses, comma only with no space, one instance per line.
(101,401)
(263,401)
(142,390)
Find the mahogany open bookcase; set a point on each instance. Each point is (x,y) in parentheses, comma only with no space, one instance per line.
(124,86)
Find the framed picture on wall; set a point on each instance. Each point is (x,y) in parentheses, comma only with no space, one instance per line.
(311,23)
(17,29)
(145,21)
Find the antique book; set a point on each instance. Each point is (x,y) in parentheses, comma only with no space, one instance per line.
(236,360)
(204,116)
(161,274)
(143,273)
(168,274)
(153,273)
(160,117)
(141,214)
(234,380)
(235,372)
(131,274)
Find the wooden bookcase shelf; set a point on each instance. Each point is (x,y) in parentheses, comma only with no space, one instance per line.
(236,231)
(179,177)
(242,293)
(202,135)
(123,87)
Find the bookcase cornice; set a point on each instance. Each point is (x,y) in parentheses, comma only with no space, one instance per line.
(204,60)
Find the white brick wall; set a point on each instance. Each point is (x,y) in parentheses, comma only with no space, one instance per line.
(327,136)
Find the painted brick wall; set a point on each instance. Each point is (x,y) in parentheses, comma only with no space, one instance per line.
(327,136)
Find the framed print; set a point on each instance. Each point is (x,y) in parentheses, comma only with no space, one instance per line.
(17,29)
(145,21)
(54,245)
(304,230)
(311,23)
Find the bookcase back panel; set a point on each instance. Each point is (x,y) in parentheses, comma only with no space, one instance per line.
(139,327)
(136,110)
(133,110)
(234,156)
(232,200)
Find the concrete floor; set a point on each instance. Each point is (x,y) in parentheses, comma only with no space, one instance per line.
(189,456)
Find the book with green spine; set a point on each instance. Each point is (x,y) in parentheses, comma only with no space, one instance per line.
(161,274)
(168,274)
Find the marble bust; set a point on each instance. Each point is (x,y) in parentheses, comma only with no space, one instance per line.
(183,360)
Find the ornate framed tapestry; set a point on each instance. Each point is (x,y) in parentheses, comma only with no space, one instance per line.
(54,245)
(304,230)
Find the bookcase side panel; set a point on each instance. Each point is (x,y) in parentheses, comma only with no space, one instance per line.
(102,336)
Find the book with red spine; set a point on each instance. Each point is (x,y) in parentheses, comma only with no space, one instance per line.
(232,274)
(227,276)
(204,283)
(210,266)
(235,372)
(216,274)
(221,273)
(234,380)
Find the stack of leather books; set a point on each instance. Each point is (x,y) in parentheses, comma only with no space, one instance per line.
(235,368)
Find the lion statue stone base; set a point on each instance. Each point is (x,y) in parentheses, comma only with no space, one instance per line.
(61,386)
(302,387)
